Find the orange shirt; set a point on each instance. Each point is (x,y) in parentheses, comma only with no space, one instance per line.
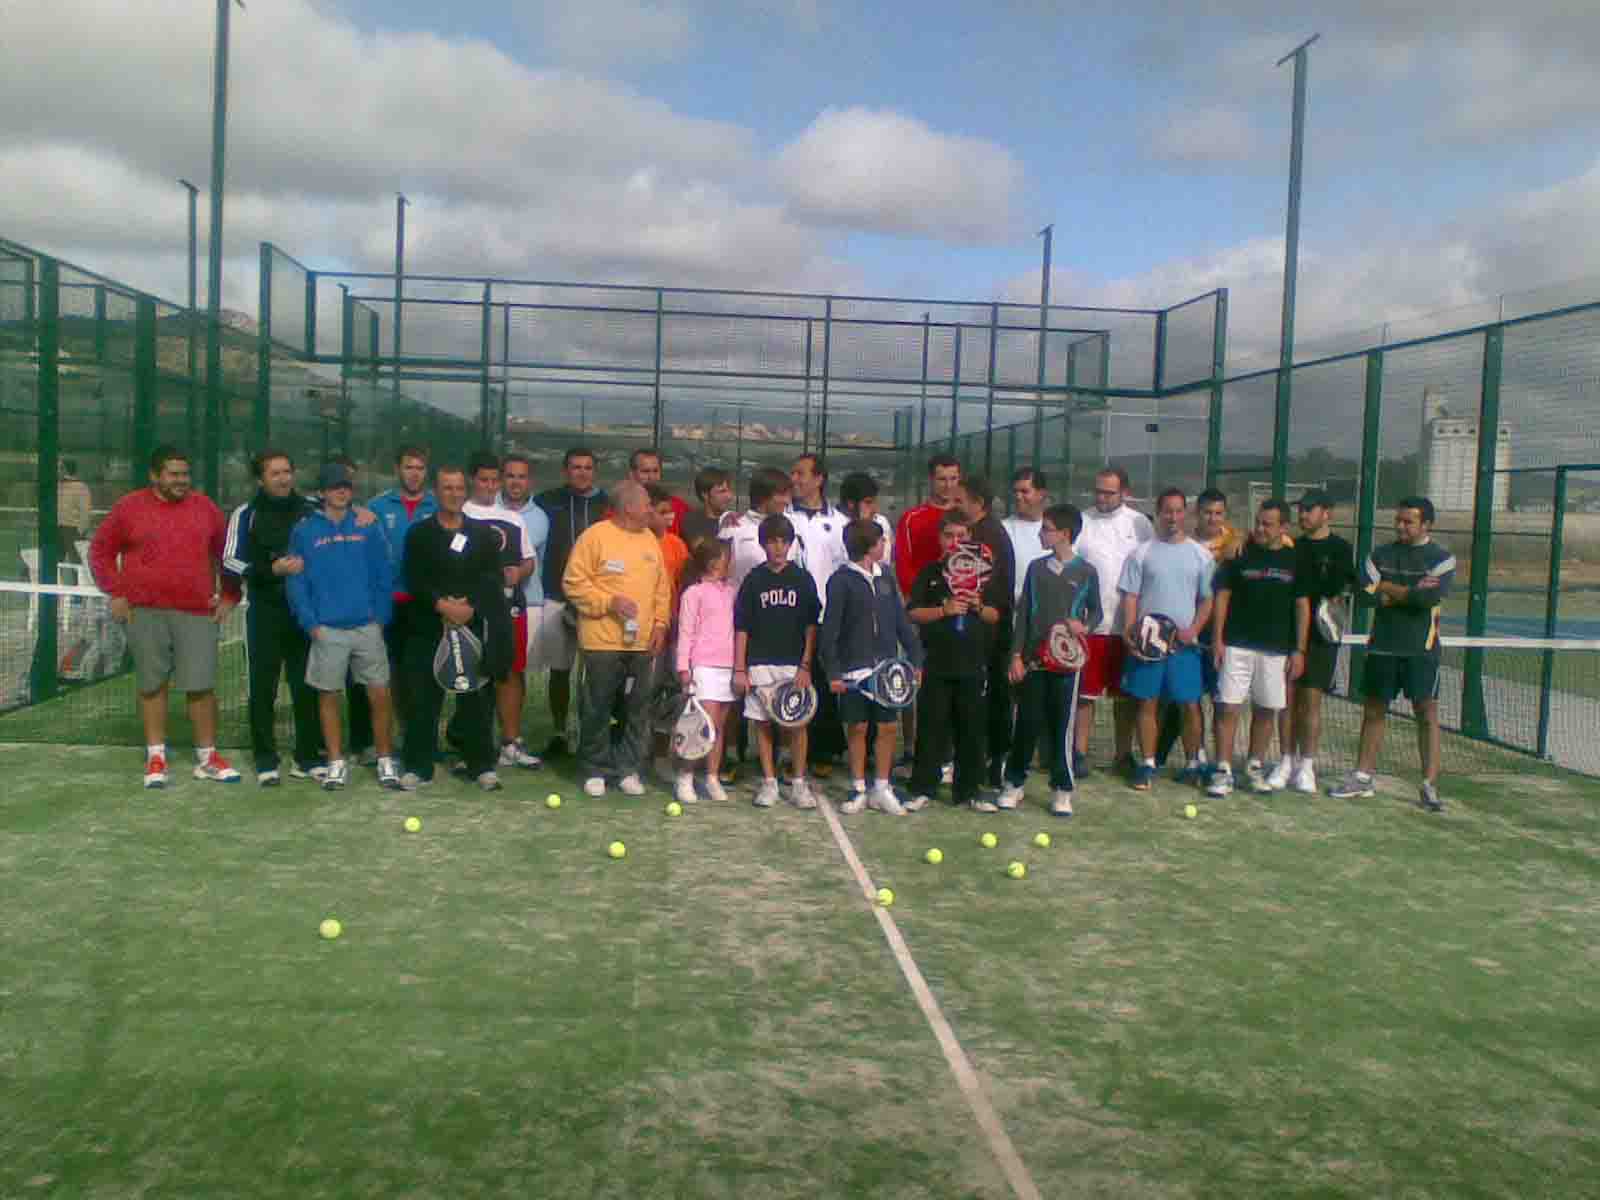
(674,554)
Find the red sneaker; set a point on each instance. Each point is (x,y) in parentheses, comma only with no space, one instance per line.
(155,772)
(217,769)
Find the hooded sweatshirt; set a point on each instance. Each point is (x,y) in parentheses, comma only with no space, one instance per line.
(258,535)
(570,514)
(347,581)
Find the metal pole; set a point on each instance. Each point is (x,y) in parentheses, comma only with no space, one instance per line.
(1048,234)
(483,381)
(955,394)
(1474,717)
(1552,608)
(805,419)
(657,423)
(988,411)
(922,421)
(1219,367)
(263,404)
(1291,266)
(212,458)
(42,671)
(193,422)
(827,358)
(400,203)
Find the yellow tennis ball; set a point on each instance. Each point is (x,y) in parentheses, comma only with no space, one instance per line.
(552,801)
(934,856)
(1190,811)
(885,897)
(412,824)
(1016,870)
(330,929)
(1042,840)
(989,841)
(674,809)
(616,850)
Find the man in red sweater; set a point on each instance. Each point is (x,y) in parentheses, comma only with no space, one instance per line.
(158,555)
(916,537)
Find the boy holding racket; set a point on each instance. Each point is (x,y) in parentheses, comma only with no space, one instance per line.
(956,615)
(774,643)
(866,626)
(1060,604)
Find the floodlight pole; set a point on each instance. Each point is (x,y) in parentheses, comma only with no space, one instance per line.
(1048,234)
(211,457)
(922,418)
(400,203)
(194,302)
(1291,265)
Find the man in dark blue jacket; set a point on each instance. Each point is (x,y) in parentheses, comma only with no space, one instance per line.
(865,624)
(343,598)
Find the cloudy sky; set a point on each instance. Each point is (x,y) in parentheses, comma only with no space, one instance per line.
(812,145)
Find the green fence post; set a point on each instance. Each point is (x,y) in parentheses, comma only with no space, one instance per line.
(1474,716)
(311,314)
(955,394)
(1219,368)
(42,674)
(1367,499)
(988,409)
(827,368)
(922,401)
(99,322)
(487,351)
(1552,608)
(263,409)
(1011,458)
(658,418)
(805,418)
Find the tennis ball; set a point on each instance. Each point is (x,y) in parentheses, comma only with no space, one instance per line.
(989,841)
(1190,811)
(934,856)
(617,850)
(1042,840)
(413,824)
(674,809)
(552,801)
(330,929)
(885,897)
(1016,870)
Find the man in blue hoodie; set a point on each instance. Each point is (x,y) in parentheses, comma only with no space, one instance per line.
(342,598)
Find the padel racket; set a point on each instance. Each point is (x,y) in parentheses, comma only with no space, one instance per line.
(891,684)
(693,734)
(1155,636)
(966,570)
(458,661)
(789,704)
(1331,619)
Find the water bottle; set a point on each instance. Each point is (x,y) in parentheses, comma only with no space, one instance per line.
(630,631)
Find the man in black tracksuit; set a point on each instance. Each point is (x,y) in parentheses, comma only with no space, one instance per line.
(257,553)
(452,570)
(572,508)
(975,498)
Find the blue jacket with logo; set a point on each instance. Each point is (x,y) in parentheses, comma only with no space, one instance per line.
(347,581)
(390,510)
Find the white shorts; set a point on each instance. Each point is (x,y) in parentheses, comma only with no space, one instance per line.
(1255,675)
(713,683)
(552,643)
(765,676)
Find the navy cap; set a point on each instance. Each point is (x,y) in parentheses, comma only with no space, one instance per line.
(1314,498)
(335,475)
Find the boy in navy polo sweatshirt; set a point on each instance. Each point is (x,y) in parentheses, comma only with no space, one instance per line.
(864,624)
(342,598)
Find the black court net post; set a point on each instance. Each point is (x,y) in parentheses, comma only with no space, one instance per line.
(42,674)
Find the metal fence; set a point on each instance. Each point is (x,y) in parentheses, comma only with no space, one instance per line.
(94,374)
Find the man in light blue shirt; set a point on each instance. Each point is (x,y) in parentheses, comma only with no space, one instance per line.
(516,493)
(1168,576)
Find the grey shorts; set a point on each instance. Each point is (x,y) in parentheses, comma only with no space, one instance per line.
(358,652)
(552,640)
(168,644)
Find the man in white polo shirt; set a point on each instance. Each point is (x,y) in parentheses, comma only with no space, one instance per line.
(1111,532)
(1029,498)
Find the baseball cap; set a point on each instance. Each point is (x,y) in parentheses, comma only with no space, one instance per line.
(1314,498)
(335,475)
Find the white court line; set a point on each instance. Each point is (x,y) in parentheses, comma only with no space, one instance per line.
(960,1066)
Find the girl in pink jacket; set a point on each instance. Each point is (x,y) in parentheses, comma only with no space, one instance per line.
(705,654)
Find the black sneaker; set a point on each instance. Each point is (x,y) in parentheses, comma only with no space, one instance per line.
(1081,768)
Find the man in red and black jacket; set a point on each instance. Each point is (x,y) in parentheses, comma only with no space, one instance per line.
(158,555)
(916,537)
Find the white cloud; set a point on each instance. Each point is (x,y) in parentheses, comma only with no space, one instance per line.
(609,32)
(1210,134)
(890,173)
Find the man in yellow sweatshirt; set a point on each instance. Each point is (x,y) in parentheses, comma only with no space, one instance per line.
(618,584)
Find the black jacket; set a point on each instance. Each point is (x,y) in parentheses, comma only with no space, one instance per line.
(570,514)
(258,534)
(433,570)
(864,623)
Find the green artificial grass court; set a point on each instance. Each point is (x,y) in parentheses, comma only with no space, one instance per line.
(1285,996)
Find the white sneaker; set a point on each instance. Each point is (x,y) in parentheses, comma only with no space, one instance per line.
(767,794)
(1255,774)
(1009,799)
(388,776)
(980,803)
(632,785)
(917,804)
(1305,777)
(715,792)
(684,793)
(1061,803)
(411,782)
(516,754)
(594,786)
(268,778)
(316,774)
(338,775)
(1281,771)
(856,802)
(1221,782)
(800,794)
(947,773)
(489,781)
(885,801)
